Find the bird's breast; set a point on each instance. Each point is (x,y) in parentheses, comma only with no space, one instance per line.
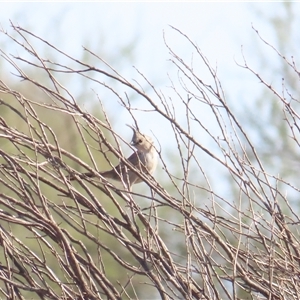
(150,161)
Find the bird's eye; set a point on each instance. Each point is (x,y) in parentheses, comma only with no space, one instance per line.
(140,141)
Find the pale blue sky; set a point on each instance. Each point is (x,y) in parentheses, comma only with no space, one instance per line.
(219,29)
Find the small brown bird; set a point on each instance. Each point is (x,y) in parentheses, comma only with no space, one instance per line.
(144,159)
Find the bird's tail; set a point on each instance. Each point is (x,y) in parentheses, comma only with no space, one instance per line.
(111,174)
(83,175)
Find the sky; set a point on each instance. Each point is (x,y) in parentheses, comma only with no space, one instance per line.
(220,29)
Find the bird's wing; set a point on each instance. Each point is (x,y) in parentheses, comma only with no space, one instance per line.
(133,159)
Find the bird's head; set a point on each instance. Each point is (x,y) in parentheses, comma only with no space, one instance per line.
(140,141)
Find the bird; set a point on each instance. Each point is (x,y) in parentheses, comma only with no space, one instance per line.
(144,159)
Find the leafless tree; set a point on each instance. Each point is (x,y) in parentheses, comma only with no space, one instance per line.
(92,239)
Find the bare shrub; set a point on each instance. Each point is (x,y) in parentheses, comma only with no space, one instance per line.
(214,224)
